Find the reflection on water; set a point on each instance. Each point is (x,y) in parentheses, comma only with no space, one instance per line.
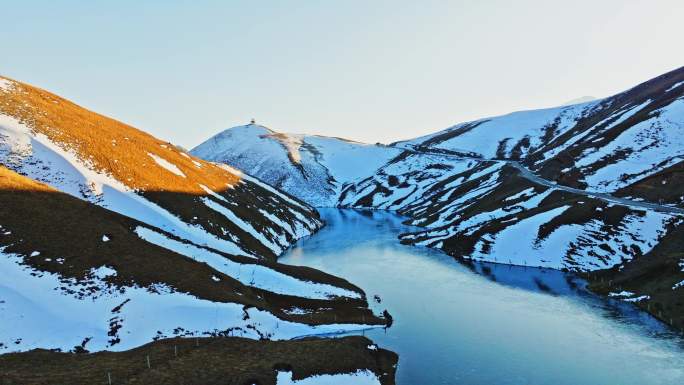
(486,323)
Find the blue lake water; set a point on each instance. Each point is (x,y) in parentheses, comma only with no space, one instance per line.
(488,323)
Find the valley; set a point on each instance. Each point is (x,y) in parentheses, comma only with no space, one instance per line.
(341,193)
(597,182)
(116,245)
(111,239)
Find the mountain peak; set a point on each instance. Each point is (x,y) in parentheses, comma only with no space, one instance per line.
(580,100)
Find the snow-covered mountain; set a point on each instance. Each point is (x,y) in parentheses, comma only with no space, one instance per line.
(630,144)
(589,187)
(596,186)
(486,210)
(312,168)
(128,171)
(580,100)
(110,238)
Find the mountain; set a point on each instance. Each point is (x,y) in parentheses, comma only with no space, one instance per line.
(310,167)
(594,187)
(627,144)
(580,100)
(128,171)
(111,238)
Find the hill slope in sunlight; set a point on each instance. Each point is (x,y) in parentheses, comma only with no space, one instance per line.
(118,167)
(111,238)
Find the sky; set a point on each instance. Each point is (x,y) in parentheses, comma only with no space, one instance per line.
(373,71)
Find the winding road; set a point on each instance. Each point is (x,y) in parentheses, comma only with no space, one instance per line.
(529,175)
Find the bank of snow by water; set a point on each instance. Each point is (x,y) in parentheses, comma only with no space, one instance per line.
(44,310)
(360,377)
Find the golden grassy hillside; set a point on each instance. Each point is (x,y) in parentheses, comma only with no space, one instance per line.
(125,153)
(110,146)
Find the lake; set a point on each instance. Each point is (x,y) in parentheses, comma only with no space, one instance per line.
(486,323)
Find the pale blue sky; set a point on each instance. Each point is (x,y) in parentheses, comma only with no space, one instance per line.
(365,70)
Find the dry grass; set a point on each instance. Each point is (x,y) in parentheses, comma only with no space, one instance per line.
(206,361)
(111,146)
(121,151)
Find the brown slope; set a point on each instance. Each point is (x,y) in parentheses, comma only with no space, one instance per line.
(102,140)
(121,151)
(205,361)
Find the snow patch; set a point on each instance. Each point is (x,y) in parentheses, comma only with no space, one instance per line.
(103,272)
(360,377)
(46,310)
(638,299)
(253,275)
(212,193)
(674,86)
(521,194)
(244,225)
(166,164)
(6,84)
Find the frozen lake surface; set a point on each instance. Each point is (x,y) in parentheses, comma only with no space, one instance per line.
(487,323)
